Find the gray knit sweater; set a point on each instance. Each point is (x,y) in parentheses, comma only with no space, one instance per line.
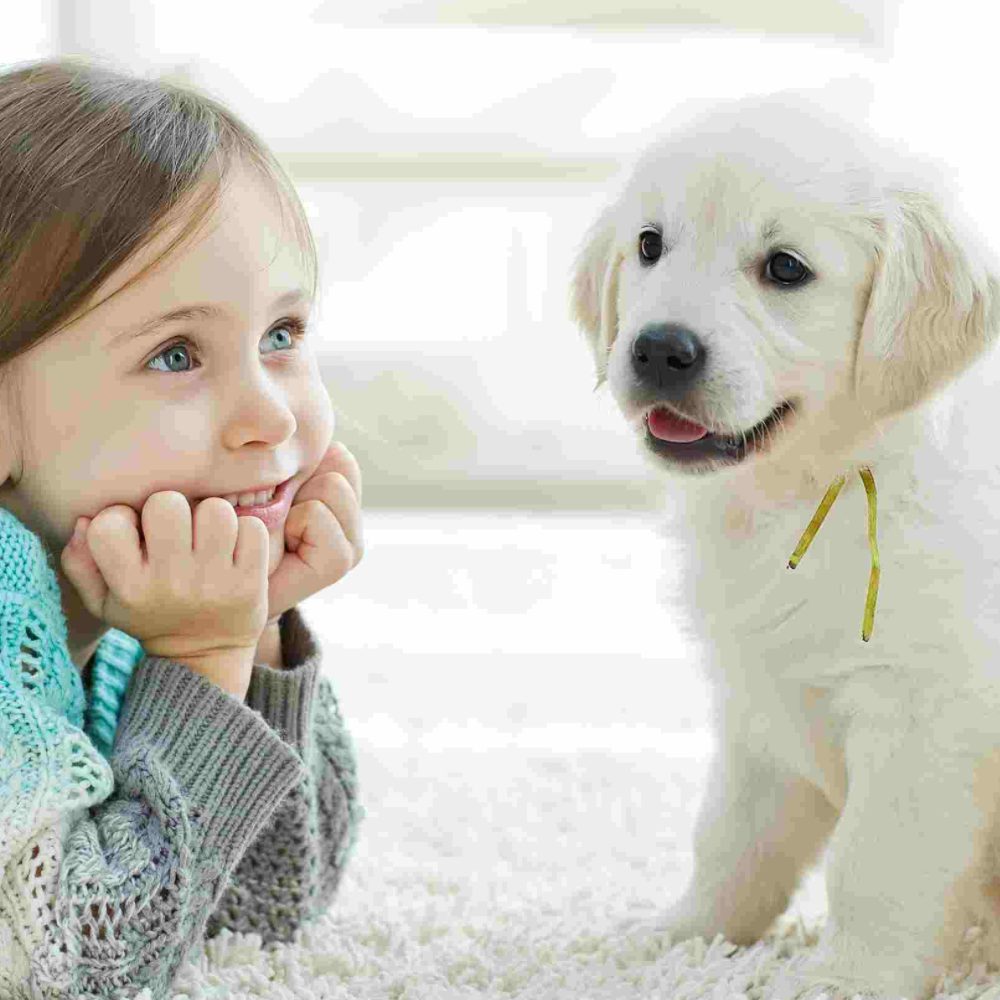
(223,814)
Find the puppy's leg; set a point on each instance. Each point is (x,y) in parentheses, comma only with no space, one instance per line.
(906,863)
(758,829)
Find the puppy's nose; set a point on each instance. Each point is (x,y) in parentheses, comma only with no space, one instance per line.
(667,356)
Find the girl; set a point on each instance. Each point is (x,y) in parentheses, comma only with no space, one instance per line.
(172,760)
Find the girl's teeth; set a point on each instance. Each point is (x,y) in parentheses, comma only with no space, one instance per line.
(250,499)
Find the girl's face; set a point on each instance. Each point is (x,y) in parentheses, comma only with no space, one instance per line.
(207,406)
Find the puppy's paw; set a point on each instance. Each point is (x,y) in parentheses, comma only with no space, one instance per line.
(809,977)
(676,924)
(802,980)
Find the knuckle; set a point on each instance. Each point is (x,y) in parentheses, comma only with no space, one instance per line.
(166,497)
(111,518)
(346,453)
(216,506)
(165,503)
(247,522)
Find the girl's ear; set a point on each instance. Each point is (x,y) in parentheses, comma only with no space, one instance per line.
(594,289)
(932,310)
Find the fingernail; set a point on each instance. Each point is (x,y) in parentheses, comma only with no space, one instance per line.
(77,532)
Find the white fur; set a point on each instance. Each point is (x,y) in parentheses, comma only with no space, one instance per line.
(890,747)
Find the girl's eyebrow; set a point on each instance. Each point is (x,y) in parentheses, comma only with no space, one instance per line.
(202,310)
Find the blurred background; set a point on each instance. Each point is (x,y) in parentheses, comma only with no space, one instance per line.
(451,154)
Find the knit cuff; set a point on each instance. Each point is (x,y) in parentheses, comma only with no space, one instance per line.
(284,697)
(231,766)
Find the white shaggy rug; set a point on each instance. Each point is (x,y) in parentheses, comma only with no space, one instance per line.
(503,873)
(532,746)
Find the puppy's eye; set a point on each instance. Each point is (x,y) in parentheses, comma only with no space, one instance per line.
(650,246)
(784,269)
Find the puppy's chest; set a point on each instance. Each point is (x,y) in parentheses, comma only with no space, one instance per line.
(740,591)
(796,726)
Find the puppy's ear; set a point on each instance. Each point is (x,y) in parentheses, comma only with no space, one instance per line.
(933,308)
(594,288)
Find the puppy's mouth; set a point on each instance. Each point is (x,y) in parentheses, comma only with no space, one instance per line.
(687,443)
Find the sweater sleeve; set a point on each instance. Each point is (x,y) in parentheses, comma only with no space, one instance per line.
(291,871)
(110,869)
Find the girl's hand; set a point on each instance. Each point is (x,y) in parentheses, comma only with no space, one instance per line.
(323,539)
(190,585)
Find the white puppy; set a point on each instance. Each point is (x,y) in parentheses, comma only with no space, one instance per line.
(777,299)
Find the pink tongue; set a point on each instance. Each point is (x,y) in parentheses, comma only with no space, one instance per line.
(667,427)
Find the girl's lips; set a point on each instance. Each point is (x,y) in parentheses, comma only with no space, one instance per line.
(274,513)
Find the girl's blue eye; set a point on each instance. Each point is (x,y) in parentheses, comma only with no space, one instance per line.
(296,326)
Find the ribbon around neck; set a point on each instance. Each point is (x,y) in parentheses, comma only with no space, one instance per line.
(825,504)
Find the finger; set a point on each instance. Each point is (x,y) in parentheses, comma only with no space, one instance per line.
(318,554)
(166,525)
(313,533)
(78,564)
(114,543)
(252,546)
(215,528)
(341,500)
(337,458)
(335,490)
(348,466)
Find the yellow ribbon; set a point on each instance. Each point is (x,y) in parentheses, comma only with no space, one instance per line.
(807,536)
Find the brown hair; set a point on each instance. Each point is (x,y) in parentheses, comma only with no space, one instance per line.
(92,163)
